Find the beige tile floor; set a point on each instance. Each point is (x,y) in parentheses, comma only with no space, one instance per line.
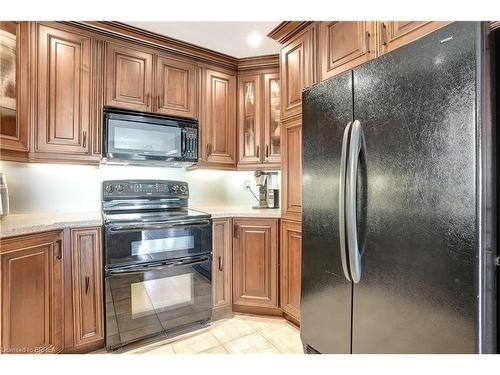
(235,335)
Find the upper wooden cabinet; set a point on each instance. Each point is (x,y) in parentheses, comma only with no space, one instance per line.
(129,77)
(249,121)
(218,127)
(345,44)
(394,34)
(255,265)
(31,294)
(297,63)
(258,120)
(175,87)
(222,264)
(14,97)
(63,118)
(291,169)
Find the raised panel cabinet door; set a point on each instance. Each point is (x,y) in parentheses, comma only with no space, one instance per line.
(175,87)
(129,76)
(290,263)
(249,119)
(63,91)
(296,72)
(87,285)
(291,169)
(255,263)
(219,127)
(32,309)
(345,44)
(395,34)
(222,263)
(272,135)
(14,51)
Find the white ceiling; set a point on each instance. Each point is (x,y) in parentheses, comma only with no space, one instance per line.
(230,38)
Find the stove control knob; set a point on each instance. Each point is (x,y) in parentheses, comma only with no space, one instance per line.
(119,188)
(183,188)
(175,187)
(109,188)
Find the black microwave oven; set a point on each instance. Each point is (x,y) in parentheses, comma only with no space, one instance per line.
(144,138)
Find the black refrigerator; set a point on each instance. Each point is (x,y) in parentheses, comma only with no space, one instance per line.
(398,228)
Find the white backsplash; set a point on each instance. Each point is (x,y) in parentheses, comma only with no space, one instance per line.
(35,188)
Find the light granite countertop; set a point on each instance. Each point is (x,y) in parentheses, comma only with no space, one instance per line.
(20,224)
(16,225)
(239,211)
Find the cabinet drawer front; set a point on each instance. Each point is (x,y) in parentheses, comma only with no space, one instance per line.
(87,286)
(176,87)
(128,78)
(63,91)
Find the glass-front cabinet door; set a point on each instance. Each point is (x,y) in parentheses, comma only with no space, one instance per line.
(272,117)
(249,119)
(14,89)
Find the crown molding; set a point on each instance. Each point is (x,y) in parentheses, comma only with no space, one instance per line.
(287,29)
(259,62)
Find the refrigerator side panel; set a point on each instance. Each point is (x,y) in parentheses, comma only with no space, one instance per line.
(326,293)
(417,107)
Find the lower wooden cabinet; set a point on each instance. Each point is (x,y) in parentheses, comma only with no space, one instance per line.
(86,320)
(255,265)
(32,295)
(222,265)
(290,268)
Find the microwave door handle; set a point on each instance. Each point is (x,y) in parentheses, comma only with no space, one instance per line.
(183,142)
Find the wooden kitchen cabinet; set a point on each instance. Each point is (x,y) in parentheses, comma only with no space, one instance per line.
(32,295)
(255,266)
(395,34)
(14,88)
(129,77)
(222,265)
(290,268)
(345,44)
(175,87)
(272,108)
(291,169)
(86,319)
(64,94)
(297,67)
(218,128)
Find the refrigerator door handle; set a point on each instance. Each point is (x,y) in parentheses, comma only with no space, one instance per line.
(356,149)
(342,216)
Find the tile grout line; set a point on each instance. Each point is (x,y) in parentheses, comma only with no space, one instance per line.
(274,346)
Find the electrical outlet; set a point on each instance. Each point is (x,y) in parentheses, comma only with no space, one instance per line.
(246,184)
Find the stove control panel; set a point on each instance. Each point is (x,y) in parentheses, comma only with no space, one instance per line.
(140,188)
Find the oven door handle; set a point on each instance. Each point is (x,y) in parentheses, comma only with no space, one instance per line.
(157,267)
(159,225)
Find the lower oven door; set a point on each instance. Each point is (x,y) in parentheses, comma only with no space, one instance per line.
(147,300)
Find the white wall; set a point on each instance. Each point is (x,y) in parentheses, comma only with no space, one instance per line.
(38,187)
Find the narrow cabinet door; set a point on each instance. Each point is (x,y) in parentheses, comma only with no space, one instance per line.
(249,122)
(291,176)
(63,94)
(222,266)
(87,286)
(32,309)
(290,267)
(255,263)
(219,127)
(175,87)
(271,112)
(129,75)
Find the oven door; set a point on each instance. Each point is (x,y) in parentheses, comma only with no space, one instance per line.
(132,243)
(146,300)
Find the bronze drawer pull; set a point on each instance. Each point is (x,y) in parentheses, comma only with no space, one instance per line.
(220,263)
(87,284)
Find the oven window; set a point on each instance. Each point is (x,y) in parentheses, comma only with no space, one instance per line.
(162,245)
(140,138)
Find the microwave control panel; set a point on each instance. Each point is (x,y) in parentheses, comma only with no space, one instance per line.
(191,145)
